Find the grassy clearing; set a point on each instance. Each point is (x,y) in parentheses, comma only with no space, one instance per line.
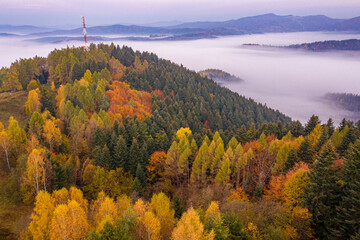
(14,217)
(12,104)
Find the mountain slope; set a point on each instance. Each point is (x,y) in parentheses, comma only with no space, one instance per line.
(267,23)
(120,29)
(352,24)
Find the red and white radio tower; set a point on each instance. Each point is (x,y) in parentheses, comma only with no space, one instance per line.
(84,33)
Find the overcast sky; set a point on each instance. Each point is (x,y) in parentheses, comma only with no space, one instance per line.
(101,12)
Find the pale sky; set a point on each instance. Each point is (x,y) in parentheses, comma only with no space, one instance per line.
(103,12)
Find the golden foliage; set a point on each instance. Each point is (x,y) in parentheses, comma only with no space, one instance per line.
(52,133)
(33,102)
(103,210)
(140,208)
(35,175)
(61,196)
(238,195)
(160,205)
(294,188)
(69,222)
(41,217)
(152,226)
(123,203)
(190,227)
(253,232)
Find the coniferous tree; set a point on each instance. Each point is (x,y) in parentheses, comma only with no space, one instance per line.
(259,191)
(311,124)
(120,155)
(330,126)
(296,129)
(291,159)
(349,138)
(236,228)
(60,178)
(252,133)
(241,134)
(323,138)
(140,175)
(98,137)
(112,140)
(102,156)
(178,207)
(306,152)
(348,217)
(144,158)
(323,192)
(136,186)
(343,123)
(134,156)
(46,101)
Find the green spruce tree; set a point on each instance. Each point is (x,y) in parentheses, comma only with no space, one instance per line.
(291,159)
(322,195)
(311,124)
(349,138)
(348,217)
(306,152)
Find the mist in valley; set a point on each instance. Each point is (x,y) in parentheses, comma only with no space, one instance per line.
(291,81)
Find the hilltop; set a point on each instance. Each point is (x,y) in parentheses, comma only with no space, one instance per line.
(219,76)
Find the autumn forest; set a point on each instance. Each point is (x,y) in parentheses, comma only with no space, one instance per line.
(112,143)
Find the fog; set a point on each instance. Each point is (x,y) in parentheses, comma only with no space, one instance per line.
(291,81)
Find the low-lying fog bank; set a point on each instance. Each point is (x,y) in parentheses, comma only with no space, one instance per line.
(291,81)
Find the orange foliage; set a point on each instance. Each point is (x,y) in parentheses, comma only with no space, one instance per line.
(238,195)
(156,165)
(338,162)
(125,101)
(277,183)
(270,138)
(275,188)
(255,145)
(159,93)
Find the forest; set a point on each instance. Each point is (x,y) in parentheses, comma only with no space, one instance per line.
(111,143)
(348,101)
(343,45)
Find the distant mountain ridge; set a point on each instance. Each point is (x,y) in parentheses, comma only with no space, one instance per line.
(23,29)
(269,23)
(266,23)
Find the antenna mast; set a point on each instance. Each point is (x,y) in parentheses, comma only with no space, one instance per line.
(84,33)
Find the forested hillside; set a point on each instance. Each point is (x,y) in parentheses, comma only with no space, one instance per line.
(343,45)
(120,144)
(346,101)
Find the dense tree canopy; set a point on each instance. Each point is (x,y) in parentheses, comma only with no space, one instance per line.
(124,145)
